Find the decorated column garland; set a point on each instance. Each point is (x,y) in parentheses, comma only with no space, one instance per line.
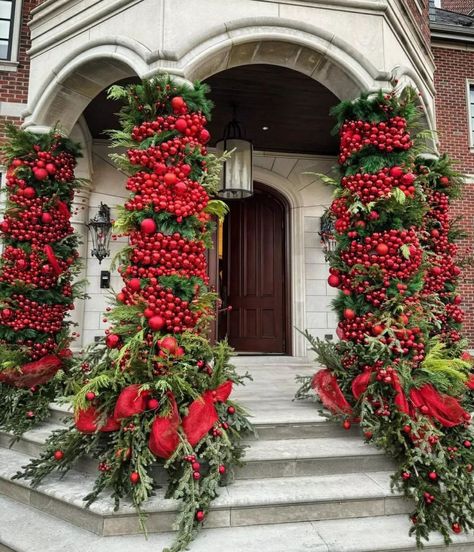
(400,369)
(37,266)
(155,390)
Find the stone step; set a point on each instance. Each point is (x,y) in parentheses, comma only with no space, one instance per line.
(41,532)
(274,458)
(246,502)
(286,420)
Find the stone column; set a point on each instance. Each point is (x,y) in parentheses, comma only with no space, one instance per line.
(80,217)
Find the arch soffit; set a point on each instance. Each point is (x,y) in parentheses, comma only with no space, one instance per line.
(87,70)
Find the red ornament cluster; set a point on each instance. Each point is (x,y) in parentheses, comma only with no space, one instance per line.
(39,250)
(372,187)
(387,136)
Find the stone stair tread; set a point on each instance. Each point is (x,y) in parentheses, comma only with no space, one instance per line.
(295,449)
(37,434)
(385,534)
(73,486)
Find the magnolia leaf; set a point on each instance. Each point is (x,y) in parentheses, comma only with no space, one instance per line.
(405,250)
(217,208)
(399,196)
(324,178)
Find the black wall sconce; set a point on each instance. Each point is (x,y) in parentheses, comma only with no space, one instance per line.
(326,232)
(100,228)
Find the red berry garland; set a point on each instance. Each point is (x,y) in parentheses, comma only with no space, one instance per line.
(37,266)
(399,366)
(155,390)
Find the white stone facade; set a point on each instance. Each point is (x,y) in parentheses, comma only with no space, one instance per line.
(79,47)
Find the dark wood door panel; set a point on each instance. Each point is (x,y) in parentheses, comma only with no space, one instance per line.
(254,275)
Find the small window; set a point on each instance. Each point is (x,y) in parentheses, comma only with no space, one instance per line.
(471,112)
(7,13)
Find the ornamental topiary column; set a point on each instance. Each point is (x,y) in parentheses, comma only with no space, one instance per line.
(38,263)
(400,368)
(155,390)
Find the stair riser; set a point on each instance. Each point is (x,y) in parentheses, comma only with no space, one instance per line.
(313,466)
(219,517)
(270,432)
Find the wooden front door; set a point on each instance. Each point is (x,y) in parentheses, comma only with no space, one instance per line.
(254,274)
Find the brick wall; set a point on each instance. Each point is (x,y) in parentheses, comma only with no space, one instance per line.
(419,10)
(14,84)
(458,6)
(453,67)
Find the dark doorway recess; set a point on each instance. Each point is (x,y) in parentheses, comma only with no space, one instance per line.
(254,274)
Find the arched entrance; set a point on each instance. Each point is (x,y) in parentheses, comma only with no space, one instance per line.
(254,274)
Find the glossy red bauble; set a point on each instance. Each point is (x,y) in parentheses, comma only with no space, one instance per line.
(200,515)
(156,323)
(177,103)
(112,341)
(40,173)
(135,284)
(396,172)
(58,455)
(134,478)
(169,344)
(170,178)
(334,280)
(382,249)
(456,527)
(349,314)
(46,218)
(29,192)
(153,404)
(148,226)
(181,125)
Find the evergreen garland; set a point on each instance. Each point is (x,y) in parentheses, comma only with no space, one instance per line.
(37,266)
(400,368)
(154,390)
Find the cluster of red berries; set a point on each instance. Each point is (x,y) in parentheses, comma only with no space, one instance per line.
(38,349)
(388,136)
(182,198)
(37,222)
(26,313)
(189,124)
(372,187)
(394,253)
(406,342)
(45,165)
(340,210)
(31,269)
(354,328)
(165,255)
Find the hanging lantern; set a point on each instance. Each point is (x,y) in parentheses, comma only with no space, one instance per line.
(100,228)
(236,175)
(326,232)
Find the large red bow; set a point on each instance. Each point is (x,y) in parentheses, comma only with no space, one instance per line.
(164,437)
(202,415)
(33,373)
(86,421)
(325,384)
(130,402)
(361,382)
(444,408)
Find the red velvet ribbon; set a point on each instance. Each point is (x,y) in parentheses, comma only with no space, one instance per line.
(130,402)
(86,421)
(361,382)
(444,408)
(326,386)
(52,259)
(63,209)
(202,415)
(164,437)
(33,373)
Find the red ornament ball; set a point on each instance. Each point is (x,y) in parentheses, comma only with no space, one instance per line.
(153,404)
(200,515)
(334,280)
(177,103)
(58,455)
(134,478)
(456,528)
(90,396)
(156,323)
(346,424)
(112,341)
(148,226)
